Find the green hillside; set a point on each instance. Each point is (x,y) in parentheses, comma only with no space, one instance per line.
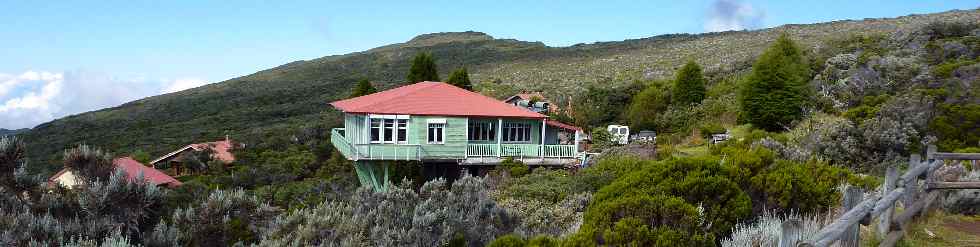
(272,102)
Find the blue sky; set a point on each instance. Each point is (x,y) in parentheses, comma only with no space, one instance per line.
(103,53)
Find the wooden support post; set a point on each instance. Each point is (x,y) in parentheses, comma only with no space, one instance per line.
(885,219)
(911,182)
(931,178)
(851,237)
(791,230)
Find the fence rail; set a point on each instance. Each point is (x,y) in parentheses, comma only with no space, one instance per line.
(891,228)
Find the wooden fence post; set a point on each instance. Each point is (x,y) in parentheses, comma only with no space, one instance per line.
(885,219)
(791,233)
(911,185)
(851,237)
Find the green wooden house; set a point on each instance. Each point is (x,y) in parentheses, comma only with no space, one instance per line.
(434,122)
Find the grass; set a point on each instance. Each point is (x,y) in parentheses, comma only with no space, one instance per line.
(938,223)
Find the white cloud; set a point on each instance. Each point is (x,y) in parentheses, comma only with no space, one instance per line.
(725,15)
(9,82)
(183,84)
(34,97)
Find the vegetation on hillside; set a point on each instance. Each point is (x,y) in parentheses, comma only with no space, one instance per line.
(281,100)
(847,109)
(362,88)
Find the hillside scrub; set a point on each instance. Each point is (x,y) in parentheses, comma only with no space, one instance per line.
(362,88)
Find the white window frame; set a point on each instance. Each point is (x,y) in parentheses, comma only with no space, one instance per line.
(522,135)
(395,127)
(441,132)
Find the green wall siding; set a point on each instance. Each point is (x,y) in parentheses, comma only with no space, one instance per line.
(454,144)
(455,140)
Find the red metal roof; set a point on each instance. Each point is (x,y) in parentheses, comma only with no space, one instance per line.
(133,168)
(222,149)
(563,125)
(432,98)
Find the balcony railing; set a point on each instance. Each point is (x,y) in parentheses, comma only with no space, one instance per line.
(341,143)
(418,152)
(389,151)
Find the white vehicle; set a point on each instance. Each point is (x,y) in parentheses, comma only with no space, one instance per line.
(620,133)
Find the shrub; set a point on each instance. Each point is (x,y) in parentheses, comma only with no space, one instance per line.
(711,128)
(543,241)
(434,216)
(515,168)
(945,70)
(702,180)
(362,88)
(601,139)
(645,220)
(509,240)
(767,229)
(223,219)
(89,164)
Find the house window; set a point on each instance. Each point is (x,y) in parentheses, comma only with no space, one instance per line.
(402,135)
(517,132)
(437,133)
(482,132)
(389,130)
(376,130)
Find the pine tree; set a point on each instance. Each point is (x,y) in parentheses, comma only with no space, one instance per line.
(689,85)
(362,88)
(423,69)
(773,96)
(461,78)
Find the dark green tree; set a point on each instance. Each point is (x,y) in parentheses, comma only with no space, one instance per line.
(461,78)
(362,88)
(773,96)
(647,105)
(423,69)
(689,85)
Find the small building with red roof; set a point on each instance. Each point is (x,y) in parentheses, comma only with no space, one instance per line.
(133,170)
(174,162)
(438,122)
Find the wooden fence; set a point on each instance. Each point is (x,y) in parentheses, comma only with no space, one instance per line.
(891,227)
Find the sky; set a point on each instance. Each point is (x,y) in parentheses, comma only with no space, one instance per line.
(59,58)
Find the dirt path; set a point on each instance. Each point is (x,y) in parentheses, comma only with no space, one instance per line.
(971,227)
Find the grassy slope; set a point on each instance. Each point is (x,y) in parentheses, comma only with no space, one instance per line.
(295,94)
